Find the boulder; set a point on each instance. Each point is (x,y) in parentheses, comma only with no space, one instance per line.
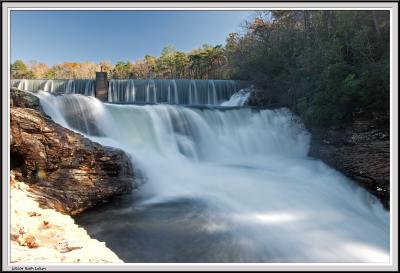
(65,170)
(23,99)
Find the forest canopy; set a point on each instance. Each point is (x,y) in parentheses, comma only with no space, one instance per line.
(328,66)
(207,62)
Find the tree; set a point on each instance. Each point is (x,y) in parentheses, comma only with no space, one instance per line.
(106,66)
(86,70)
(122,70)
(140,70)
(19,70)
(203,63)
(181,62)
(195,60)
(165,62)
(327,66)
(39,70)
(66,70)
(151,63)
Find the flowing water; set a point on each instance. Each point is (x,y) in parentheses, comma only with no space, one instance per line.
(76,86)
(223,184)
(174,91)
(238,99)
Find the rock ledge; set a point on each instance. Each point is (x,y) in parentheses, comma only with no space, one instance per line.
(46,236)
(65,170)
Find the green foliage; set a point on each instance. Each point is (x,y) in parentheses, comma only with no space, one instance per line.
(19,70)
(51,74)
(206,62)
(122,70)
(328,66)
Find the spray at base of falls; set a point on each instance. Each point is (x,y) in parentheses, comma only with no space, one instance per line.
(261,198)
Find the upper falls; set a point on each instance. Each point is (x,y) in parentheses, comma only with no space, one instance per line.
(173,91)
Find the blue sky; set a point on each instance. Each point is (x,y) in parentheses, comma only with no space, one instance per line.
(58,36)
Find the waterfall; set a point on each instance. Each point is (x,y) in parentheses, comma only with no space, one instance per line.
(111,95)
(238,99)
(224,185)
(76,86)
(193,98)
(22,84)
(175,99)
(89,89)
(211,93)
(130,91)
(70,87)
(175,91)
(151,92)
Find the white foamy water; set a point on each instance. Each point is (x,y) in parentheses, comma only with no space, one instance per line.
(238,99)
(76,86)
(264,199)
(171,91)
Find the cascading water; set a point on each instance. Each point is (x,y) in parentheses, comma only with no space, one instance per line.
(151,92)
(238,99)
(70,87)
(48,86)
(175,91)
(122,90)
(212,93)
(173,97)
(85,87)
(19,84)
(224,185)
(193,97)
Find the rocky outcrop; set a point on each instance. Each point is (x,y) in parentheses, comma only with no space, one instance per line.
(64,170)
(266,98)
(23,99)
(360,150)
(46,236)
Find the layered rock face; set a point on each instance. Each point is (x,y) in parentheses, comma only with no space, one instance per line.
(360,150)
(64,170)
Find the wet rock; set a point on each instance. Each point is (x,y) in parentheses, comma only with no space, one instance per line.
(19,98)
(265,98)
(65,170)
